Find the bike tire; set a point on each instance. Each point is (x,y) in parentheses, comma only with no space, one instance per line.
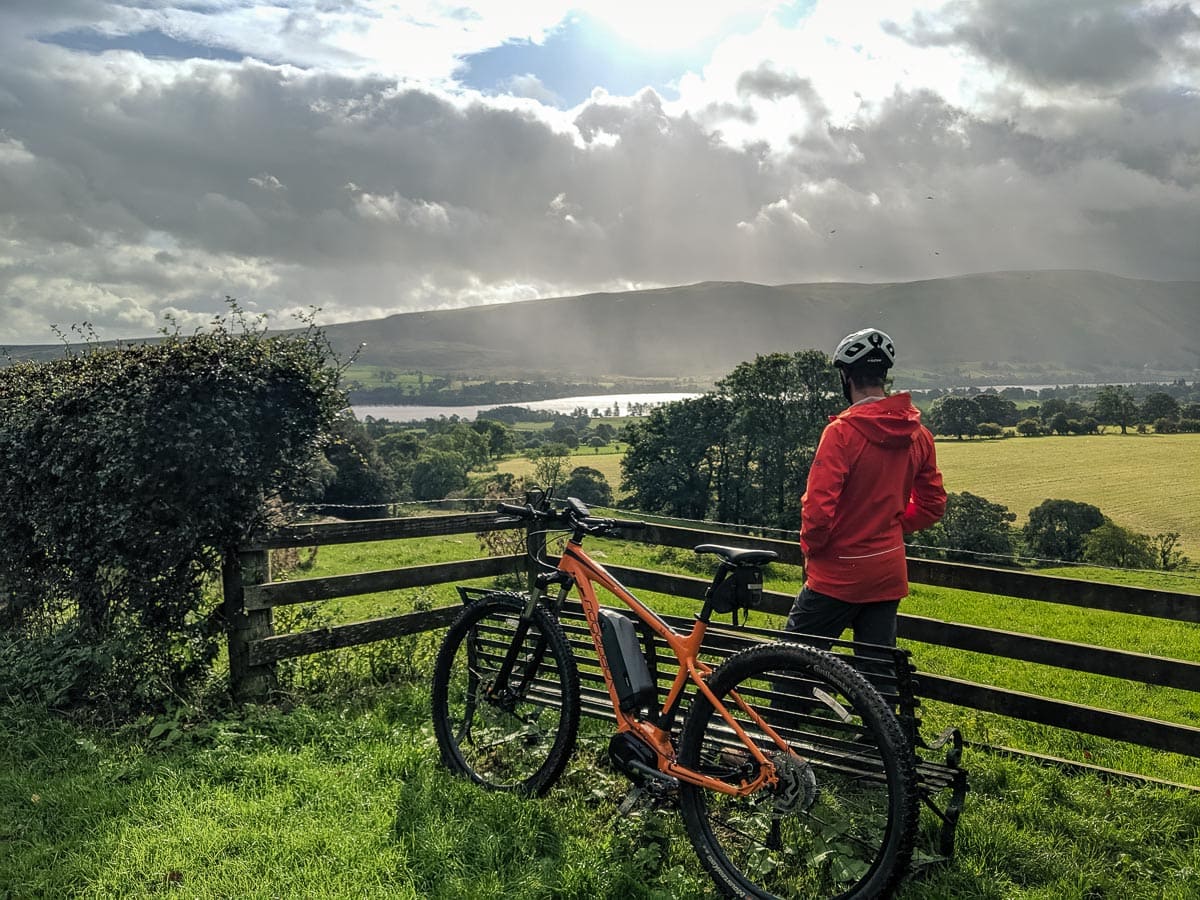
(842,820)
(520,738)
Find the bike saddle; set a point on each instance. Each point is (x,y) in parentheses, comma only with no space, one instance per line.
(737,556)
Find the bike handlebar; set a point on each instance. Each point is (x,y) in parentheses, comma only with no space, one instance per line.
(574,514)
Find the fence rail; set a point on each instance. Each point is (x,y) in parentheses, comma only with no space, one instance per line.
(251,595)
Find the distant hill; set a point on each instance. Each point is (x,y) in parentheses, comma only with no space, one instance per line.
(1024,327)
(1005,327)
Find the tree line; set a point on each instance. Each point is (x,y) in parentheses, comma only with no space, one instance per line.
(1056,531)
(1163,410)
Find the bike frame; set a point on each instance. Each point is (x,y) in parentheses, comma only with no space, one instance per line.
(584,574)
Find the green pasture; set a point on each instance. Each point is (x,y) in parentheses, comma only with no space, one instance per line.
(339,792)
(344,797)
(606,460)
(1147,482)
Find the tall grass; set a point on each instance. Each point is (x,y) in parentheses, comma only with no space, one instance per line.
(345,798)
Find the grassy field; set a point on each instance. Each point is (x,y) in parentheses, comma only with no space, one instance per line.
(345,798)
(340,793)
(1150,483)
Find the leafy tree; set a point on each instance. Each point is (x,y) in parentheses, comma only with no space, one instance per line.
(994,408)
(780,402)
(438,473)
(126,476)
(589,485)
(1158,405)
(1167,554)
(461,438)
(959,416)
(550,465)
(676,457)
(1115,406)
(1056,529)
(971,528)
(564,434)
(1029,427)
(361,477)
(1111,545)
(500,441)
(1055,406)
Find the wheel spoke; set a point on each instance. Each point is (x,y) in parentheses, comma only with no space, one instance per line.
(518,738)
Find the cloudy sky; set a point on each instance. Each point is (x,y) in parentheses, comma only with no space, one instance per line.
(366,157)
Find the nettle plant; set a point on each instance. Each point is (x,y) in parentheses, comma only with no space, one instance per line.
(126,474)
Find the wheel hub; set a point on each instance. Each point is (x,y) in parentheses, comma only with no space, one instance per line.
(796,789)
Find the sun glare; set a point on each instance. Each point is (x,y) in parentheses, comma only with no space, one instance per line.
(665,25)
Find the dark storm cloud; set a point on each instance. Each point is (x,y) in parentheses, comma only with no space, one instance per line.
(1064,42)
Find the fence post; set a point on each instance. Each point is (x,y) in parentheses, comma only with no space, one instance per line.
(248,683)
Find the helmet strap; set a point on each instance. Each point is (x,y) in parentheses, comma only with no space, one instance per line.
(845,376)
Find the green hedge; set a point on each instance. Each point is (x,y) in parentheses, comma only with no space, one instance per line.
(125,474)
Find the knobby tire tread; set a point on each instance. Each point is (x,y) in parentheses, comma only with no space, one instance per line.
(564,744)
(895,749)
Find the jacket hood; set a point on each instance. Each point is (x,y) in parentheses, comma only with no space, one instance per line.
(890,422)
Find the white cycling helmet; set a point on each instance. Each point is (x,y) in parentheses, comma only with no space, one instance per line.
(870,345)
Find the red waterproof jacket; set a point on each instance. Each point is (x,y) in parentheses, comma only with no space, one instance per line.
(874,479)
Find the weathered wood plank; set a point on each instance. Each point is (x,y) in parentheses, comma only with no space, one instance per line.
(284,646)
(248,680)
(1056,589)
(305,590)
(1155,670)
(1153,733)
(378,530)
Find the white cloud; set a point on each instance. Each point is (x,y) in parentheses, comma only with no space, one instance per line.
(863,142)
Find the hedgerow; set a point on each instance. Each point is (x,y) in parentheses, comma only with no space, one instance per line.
(126,473)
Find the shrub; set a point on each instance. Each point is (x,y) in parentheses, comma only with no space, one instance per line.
(589,485)
(1111,545)
(125,475)
(1056,529)
(971,528)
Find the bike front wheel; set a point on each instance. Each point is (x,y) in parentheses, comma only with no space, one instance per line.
(841,820)
(515,733)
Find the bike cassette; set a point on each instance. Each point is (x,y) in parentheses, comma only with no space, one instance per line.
(796,788)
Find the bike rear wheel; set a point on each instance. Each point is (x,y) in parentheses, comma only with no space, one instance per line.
(511,736)
(842,819)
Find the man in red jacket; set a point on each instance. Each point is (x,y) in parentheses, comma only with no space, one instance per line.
(874,479)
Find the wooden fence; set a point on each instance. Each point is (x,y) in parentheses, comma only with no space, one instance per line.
(255,648)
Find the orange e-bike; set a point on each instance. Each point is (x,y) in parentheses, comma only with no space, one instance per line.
(792,774)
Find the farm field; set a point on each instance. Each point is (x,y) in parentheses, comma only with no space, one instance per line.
(1150,483)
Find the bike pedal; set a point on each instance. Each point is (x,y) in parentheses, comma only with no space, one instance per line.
(631,800)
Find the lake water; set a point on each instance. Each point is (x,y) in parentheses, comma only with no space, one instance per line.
(564,405)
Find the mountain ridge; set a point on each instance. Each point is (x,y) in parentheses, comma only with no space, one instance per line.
(1055,322)
(1049,326)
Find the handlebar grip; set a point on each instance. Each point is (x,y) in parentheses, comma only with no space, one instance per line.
(511,509)
(626,523)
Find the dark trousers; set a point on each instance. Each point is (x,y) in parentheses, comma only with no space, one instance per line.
(827,617)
